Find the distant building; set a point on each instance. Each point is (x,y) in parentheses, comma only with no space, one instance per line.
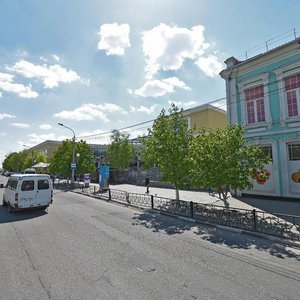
(49,146)
(263,95)
(46,148)
(205,117)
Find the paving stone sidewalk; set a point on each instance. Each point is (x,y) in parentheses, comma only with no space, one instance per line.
(195,196)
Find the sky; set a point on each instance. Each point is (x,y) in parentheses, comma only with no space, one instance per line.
(98,65)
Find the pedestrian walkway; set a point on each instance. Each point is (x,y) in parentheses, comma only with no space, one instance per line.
(195,196)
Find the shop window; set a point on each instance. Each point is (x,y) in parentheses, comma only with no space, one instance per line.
(294,151)
(268,151)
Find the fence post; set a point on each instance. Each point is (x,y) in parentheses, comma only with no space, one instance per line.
(152,202)
(192,209)
(254,219)
(109,195)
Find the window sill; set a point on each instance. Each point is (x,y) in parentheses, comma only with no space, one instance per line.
(257,127)
(291,122)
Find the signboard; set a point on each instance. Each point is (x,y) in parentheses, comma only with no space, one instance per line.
(73,166)
(104,175)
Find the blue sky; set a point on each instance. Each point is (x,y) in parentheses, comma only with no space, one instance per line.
(99,65)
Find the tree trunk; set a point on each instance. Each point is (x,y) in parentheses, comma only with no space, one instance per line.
(223,192)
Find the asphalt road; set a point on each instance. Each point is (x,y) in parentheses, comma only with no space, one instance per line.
(84,248)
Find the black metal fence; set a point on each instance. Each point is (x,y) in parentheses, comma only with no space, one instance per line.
(281,225)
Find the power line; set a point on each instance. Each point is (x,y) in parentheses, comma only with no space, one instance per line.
(103,134)
(269,93)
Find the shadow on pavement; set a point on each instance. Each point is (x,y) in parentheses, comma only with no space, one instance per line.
(6,217)
(169,225)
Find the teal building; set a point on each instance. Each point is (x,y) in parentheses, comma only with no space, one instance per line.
(263,95)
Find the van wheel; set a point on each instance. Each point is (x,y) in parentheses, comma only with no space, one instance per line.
(4,203)
(10,208)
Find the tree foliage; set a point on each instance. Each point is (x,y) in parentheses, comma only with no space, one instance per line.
(63,155)
(18,161)
(216,159)
(120,152)
(32,158)
(221,159)
(168,147)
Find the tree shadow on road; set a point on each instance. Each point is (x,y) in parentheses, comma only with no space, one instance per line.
(161,223)
(234,240)
(6,217)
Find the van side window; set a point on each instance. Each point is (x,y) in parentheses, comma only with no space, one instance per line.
(43,184)
(14,185)
(27,185)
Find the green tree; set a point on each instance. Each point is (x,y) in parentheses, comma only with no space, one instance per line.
(221,159)
(14,161)
(167,147)
(62,158)
(33,157)
(120,152)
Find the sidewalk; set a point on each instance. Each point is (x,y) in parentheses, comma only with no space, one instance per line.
(269,207)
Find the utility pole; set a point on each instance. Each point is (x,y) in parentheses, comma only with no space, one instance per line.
(73,152)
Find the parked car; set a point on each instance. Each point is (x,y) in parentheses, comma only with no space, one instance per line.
(9,173)
(29,171)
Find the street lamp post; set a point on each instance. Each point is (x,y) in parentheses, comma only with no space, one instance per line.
(73,151)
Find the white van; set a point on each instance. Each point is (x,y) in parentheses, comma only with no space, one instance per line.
(28,191)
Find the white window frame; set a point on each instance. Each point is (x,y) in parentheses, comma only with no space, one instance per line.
(252,83)
(297,90)
(281,74)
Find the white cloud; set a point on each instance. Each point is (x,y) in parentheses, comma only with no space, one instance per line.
(56,57)
(35,139)
(183,104)
(20,125)
(6,116)
(7,85)
(114,38)
(156,88)
(167,47)
(89,111)
(209,65)
(143,109)
(51,76)
(45,126)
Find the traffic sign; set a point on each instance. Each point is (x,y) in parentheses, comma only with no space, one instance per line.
(73,166)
